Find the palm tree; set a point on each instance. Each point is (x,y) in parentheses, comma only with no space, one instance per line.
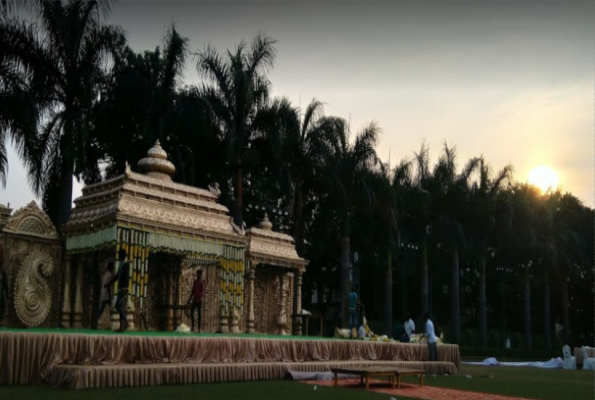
(481,226)
(61,60)
(385,225)
(569,244)
(347,173)
(450,191)
(237,89)
(518,243)
(297,150)
(421,217)
(138,102)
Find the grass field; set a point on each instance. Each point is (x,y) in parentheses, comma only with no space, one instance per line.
(520,382)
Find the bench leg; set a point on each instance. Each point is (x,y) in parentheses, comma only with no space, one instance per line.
(398,381)
(421,380)
(367,382)
(336,379)
(394,379)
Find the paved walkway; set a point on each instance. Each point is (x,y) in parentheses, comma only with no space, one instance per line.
(415,391)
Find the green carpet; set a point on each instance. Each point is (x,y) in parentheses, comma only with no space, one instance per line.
(160,334)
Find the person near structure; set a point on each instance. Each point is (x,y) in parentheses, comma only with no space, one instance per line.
(106,290)
(409,326)
(196,296)
(123,279)
(352,311)
(431,335)
(3,286)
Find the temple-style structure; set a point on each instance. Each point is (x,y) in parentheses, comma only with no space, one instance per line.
(170,230)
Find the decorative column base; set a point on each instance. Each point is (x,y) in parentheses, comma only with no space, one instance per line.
(297,326)
(235,316)
(250,326)
(77,322)
(114,319)
(282,324)
(223,324)
(130,312)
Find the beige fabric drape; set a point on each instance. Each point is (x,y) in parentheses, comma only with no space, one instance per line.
(126,375)
(25,356)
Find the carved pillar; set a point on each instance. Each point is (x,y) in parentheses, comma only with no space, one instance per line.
(297,323)
(178,313)
(170,299)
(77,315)
(251,277)
(282,318)
(130,313)
(66,304)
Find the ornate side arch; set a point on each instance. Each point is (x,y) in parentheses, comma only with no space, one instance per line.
(31,220)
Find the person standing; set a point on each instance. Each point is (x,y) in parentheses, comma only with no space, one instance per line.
(196,296)
(3,286)
(409,325)
(106,291)
(123,279)
(431,335)
(352,311)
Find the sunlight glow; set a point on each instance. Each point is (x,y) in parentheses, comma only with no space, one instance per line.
(544,178)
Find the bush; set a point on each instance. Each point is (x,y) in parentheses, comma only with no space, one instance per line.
(494,340)
(518,341)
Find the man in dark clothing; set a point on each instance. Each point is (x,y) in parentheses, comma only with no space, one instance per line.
(196,296)
(123,278)
(3,286)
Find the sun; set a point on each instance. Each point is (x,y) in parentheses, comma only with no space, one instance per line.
(544,178)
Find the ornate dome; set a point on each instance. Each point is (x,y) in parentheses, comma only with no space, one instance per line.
(265,224)
(156,165)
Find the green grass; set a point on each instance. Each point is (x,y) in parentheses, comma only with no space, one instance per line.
(529,383)
(269,390)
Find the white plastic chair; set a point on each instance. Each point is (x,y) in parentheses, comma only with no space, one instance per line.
(569,360)
(588,362)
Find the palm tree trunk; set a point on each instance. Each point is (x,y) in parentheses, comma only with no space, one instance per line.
(298,219)
(527,310)
(546,309)
(345,270)
(455,298)
(483,318)
(425,279)
(65,190)
(565,319)
(388,296)
(238,207)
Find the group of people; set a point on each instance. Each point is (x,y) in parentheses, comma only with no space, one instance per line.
(123,278)
(403,331)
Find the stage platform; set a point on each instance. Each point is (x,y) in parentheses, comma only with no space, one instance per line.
(91,359)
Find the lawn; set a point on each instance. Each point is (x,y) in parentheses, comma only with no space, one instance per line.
(521,382)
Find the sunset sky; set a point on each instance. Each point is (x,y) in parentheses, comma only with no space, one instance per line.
(512,81)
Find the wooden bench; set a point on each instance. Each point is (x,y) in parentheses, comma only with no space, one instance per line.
(394,374)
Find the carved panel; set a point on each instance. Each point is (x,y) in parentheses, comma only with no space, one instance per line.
(33,296)
(260,303)
(33,282)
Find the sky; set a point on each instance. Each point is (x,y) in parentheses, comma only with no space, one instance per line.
(512,81)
